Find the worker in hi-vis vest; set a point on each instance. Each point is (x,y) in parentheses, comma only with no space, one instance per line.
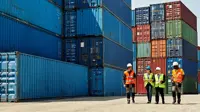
(129,82)
(177,79)
(148,82)
(159,85)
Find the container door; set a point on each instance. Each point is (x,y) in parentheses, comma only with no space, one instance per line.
(70,23)
(3,86)
(84,50)
(71,51)
(140,85)
(96,82)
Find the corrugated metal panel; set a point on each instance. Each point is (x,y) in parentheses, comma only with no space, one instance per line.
(134,51)
(101,83)
(199,77)
(159,62)
(128,3)
(179,48)
(135,66)
(157,12)
(71,50)
(198,65)
(42,78)
(198,55)
(143,50)
(16,36)
(70,4)
(98,22)
(133,18)
(46,15)
(179,29)
(140,85)
(158,30)
(142,15)
(70,23)
(134,34)
(190,85)
(143,33)
(198,88)
(158,48)
(177,10)
(142,64)
(190,70)
(57,2)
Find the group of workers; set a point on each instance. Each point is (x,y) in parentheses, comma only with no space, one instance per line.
(154,80)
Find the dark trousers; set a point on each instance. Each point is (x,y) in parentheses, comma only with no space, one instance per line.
(149,92)
(176,88)
(130,89)
(161,92)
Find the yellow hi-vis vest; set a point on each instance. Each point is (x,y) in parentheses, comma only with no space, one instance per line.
(146,79)
(158,81)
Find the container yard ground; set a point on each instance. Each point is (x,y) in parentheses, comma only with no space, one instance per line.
(190,103)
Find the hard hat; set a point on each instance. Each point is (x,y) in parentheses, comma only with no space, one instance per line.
(175,63)
(148,68)
(129,65)
(158,68)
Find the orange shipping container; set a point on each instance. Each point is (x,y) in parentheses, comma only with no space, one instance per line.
(143,33)
(134,32)
(140,89)
(142,63)
(159,62)
(158,48)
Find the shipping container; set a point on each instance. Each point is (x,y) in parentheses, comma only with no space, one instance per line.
(199,77)
(134,34)
(179,48)
(128,3)
(16,36)
(101,82)
(46,15)
(158,48)
(190,85)
(70,23)
(98,52)
(31,77)
(157,12)
(133,18)
(198,65)
(189,67)
(143,33)
(58,3)
(70,4)
(140,85)
(100,22)
(135,66)
(198,88)
(179,29)
(143,50)
(158,30)
(159,62)
(71,51)
(198,51)
(142,63)
(134,51)
(177,10)
(142,15)
(169,85)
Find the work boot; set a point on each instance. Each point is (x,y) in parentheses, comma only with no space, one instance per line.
(128,101)
(179,101)
(163,102)
(133,101)
(149,102)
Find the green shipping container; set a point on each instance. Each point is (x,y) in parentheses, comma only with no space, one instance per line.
(179,29)
(143,50)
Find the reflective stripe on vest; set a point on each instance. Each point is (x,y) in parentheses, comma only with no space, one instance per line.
(158,81)
(146,79)
(177,75)
(129,77)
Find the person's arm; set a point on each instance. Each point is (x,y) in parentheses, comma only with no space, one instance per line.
(124,79)
(163,79)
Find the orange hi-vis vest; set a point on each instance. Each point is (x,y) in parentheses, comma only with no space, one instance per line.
(129,77)
(177,75)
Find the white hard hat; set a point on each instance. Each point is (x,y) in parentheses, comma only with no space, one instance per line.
(129,65)
(175,63)
(158,68)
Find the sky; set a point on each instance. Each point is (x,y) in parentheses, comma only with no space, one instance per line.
(193,5)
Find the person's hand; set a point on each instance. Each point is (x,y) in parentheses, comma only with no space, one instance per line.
(124,85)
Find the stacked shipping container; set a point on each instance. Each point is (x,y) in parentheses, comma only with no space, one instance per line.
(198,54)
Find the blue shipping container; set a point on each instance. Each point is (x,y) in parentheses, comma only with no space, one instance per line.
(31,77)
(135,66)
(57,2)
(16,36)
(98,52)
(189,67)
(142,15)
(70,23)
(157,12)
(179,48)
(198,55)
(70,4)
(128,3)
(133,18)
(101,82)
(198,88)
(99,22)
(37,12)
(71,52)
(134,51)
(198,65)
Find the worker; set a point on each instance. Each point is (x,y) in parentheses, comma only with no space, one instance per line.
(159,85)
(129,83)
(177,79)
(148,83)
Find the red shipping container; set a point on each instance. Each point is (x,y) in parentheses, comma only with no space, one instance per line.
(199,77)
(142,63)
(140,89)
(158,48)
(143,33)
(159,62)
(134,32)
(177,10)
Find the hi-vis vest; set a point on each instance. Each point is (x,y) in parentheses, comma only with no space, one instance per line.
(129,77)
(146,79)
(177,75)
(158,81)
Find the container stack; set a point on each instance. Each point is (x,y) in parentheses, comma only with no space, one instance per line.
(198,48)
(100,34)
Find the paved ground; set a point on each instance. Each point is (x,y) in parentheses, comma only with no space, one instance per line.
(190,103)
